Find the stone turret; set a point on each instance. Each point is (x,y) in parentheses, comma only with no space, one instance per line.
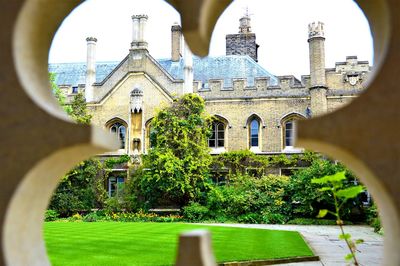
(176,42)
(139,31)
(316,40)
(90,68)
(243,43)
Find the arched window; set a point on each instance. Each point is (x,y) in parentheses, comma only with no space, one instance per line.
(254,133)
(217,138)
(120,131)
(152,136)
(289,133)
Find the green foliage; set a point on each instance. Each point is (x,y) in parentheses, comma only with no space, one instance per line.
(58,94)
(250,199)
(310,197)
(112,205)
(91,217)
(238,161)
(79,110)
(76,191)
(50,215)
(373,218)
(177,167)
(111,162)
(195,212)
(312,221)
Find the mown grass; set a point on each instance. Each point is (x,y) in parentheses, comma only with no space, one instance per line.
(114,243)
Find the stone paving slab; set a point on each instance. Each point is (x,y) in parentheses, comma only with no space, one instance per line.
(325,243)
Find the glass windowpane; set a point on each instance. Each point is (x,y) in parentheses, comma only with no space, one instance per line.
(211,143)
(220,143)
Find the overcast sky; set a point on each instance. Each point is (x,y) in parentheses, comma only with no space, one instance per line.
(280,27)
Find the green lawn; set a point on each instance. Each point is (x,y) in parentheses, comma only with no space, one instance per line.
(113,243)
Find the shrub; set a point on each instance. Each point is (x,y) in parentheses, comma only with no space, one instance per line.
(373,218)
(251,200)
(251,218)
(112,205)
(273,218)
(75,218)
(51,215)
(91,217)
(195,212)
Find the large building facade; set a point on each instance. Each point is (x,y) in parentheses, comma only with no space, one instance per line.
(253,108)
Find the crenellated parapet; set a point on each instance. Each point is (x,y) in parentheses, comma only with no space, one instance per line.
(257,87)
(349,74)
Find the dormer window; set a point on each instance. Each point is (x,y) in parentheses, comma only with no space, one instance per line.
(74,89)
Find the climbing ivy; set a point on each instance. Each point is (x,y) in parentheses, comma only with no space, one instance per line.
(177,166)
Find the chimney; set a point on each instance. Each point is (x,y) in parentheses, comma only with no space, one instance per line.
(176,42)
(139,32)
(90,68)
(188,70)
(244,42)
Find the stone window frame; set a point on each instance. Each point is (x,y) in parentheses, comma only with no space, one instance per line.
(290,117)
(261,126)
(217,118)
(118,123)
(147,131)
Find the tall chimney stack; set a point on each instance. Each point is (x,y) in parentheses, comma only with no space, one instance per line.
(90,68)
(176,42)
(188,70)
(139,32)
(316,41)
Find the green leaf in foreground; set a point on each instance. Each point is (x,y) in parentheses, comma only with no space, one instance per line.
(335,178)
(344,236)
(349,256)
(322,213)
(349,193)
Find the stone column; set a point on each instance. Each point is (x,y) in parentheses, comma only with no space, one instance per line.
(90,68)
(176,42)
(316,40)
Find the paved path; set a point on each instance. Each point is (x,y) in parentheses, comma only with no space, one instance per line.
(324,241)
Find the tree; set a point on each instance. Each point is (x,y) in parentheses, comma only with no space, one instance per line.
(77,109)
(60,97)
(177,166)
(81,188)
(77,189)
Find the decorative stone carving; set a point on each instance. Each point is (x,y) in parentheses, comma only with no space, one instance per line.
(136,100)
(353,78)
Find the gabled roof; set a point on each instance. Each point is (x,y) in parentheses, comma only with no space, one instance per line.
(221,67)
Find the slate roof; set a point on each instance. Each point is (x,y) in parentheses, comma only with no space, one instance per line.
(222,67)
(74,73)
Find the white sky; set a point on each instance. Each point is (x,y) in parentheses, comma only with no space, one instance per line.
(280,27)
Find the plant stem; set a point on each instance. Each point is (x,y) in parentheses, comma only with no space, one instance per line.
(340,223)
